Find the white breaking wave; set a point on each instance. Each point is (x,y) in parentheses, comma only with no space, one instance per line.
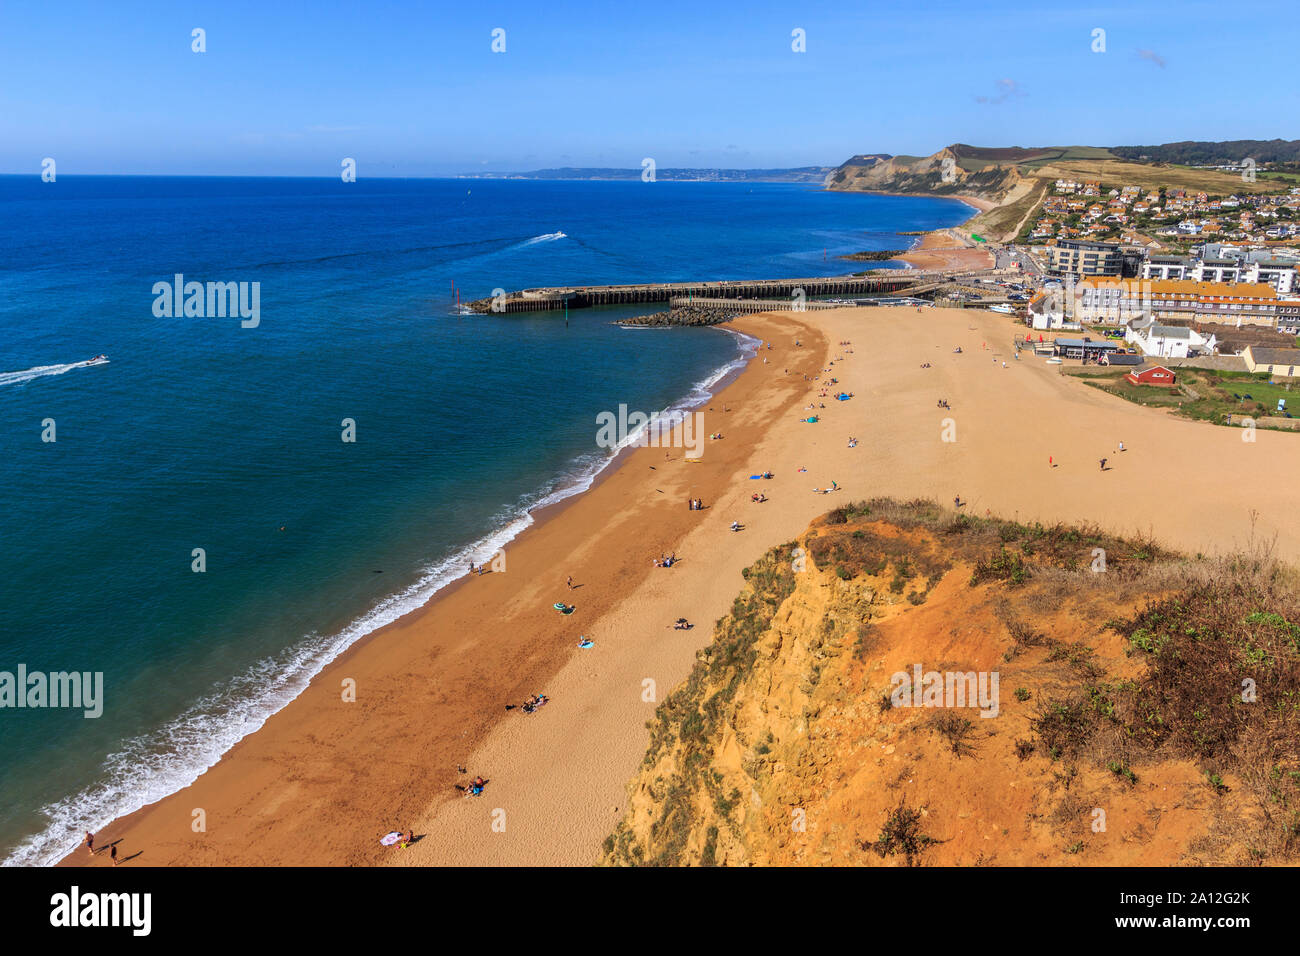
(548,237)
(40,371)
(158,764)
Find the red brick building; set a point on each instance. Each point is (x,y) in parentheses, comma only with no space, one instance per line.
(1155,375)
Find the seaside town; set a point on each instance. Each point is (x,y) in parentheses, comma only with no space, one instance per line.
(1162,282)
(588,440)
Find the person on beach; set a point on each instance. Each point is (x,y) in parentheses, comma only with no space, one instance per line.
(407,839)
(112,854)
(90,843)
(569,582)
(1103,464)
(1121,446)
(471,567)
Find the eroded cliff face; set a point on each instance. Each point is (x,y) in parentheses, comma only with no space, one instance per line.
(939,174)
(1114,734)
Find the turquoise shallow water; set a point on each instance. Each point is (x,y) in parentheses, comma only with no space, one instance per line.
(199,433)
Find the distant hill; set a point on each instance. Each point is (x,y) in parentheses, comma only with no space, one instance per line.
(989,173)
(1194,153)
(1014,179)
(801,174)
(992,175)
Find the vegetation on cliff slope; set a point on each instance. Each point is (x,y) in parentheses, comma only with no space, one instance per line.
(1149,713)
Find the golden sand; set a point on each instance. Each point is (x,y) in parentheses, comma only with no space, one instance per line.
(324,779)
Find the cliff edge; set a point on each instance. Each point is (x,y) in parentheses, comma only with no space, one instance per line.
(906,685)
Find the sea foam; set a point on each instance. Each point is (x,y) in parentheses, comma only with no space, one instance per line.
(152,766)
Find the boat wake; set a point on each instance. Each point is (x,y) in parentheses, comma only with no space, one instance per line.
(548,237)
(40,371)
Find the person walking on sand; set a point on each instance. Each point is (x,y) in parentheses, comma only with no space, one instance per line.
(90,843)
(569,582)
(112,854)
(1121,446)
(1103,464)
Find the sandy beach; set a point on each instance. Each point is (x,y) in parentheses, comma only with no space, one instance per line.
(946,249)
(324,779)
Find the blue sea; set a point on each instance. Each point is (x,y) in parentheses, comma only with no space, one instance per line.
(201,433)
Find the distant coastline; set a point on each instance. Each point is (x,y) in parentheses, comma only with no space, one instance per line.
(798,174)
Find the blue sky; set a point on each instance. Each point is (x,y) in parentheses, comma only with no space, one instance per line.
(414,89)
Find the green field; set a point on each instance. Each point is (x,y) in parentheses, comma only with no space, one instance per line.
(1206,395)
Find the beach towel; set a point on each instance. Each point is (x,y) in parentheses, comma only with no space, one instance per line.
(584,643)
(388,839)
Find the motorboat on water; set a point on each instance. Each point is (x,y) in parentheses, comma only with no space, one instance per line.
(100,358)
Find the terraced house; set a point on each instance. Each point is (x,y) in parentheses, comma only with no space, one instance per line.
(1116,301)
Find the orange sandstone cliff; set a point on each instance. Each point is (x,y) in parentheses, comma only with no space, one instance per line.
(1146,709)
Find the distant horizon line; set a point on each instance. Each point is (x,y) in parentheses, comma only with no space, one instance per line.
(495,175)
(495,172)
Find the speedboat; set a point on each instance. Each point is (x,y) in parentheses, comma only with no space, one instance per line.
(97,358)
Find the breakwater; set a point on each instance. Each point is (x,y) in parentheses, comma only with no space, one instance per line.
(876,282)
(713,311)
